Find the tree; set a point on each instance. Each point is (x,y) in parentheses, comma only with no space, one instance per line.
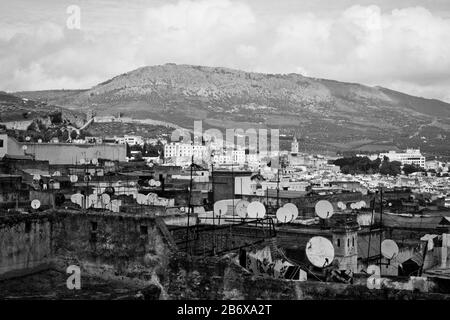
(410,168)
(390,168)
(73,134)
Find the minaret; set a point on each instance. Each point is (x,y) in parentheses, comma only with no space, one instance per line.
(294,146)
(345,241)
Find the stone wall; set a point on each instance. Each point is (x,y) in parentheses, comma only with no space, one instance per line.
(111,246)
(26,244)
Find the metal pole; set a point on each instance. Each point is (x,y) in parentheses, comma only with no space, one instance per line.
(381,222)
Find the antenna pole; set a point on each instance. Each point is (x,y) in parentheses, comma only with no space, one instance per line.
(381,221)
(189,203)
(278,182)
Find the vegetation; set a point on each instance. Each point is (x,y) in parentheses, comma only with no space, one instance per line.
(363,165)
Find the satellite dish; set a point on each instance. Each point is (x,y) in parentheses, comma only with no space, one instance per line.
(92,200)
(241,208)
(152,182)
(77,198)
(292,209)
(363,204)
(56,174)
(353,206)
(82,161)
(256,210)
(182,209)
(157,183)
(320,252)
(87,178)
(220,208)
(152,198)
(283,215)
(73,178)
(341,205)
(37,177)
(324,209)
(132,183)
(95,161)
(389,249)
(106,199)
(25,147)
(35,204)
(141,198)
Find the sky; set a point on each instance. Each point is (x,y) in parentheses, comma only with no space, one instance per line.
(399,44)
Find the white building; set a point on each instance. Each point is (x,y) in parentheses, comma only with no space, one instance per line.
(410,156)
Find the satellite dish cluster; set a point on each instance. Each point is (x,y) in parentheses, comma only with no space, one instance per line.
(100,201)
(355,205)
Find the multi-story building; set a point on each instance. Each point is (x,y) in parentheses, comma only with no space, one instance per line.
(410,156)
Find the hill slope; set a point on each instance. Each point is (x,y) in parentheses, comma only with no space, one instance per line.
(325,114)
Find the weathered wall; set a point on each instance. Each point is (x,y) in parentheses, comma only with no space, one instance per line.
(25,242)
(109,245)
(101,244)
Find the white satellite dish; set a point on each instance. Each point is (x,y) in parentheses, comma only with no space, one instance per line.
(157,183)
(106,199)
(182,209)
(36,177)
(82,161)
(24,148)
(320,252)
(77,198)
(363,204)
(35,204)
(87,178)
(152,182)
(95,161)
(389,249)
(141,198)
(284,215)
(256,210)
(220,208)
(292,209)
(241,208)
(92,200)
(353,206)
(73,178)
(152,198)
(324,209)
(56,174)
(341,205)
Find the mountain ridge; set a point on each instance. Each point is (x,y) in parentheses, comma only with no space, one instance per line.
(327,114)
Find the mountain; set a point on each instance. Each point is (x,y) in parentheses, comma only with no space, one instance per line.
(323,114)
(19,111)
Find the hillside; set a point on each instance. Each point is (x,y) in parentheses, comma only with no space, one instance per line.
(324,114)
(23,110)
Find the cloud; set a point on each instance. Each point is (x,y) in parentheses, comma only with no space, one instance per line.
(406,49)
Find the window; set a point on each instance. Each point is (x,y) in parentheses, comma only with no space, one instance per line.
(94,225)
(338,242)
(348,242)
(1,143)
(353,241)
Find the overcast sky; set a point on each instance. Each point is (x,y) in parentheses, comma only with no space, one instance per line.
(399,44)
